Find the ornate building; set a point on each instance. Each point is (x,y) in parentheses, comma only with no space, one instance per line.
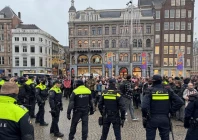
(94,33)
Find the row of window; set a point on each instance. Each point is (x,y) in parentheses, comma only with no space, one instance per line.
(173,62)
(2,27)
(173,26)
(32,62)
(32,39)
(32,49)
(173,49)
(175,13)
(178,2)
(2,37)
(2,60)
(2,48)
(174,38)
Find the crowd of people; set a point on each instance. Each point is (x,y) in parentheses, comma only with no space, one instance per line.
(113,97)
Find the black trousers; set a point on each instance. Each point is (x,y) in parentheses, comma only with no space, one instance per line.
(77,115)
(32,103)
(192,134)
(55,119)
(162,123)
(115,120)
(40,114)
(67,93)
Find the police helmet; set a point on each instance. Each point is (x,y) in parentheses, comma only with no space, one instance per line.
(157,78)
(112,81)
(31,77)
(79,83)
(22,80)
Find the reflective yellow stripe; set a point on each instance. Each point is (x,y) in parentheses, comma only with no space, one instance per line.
(110,97)
(160,97)
(160,94)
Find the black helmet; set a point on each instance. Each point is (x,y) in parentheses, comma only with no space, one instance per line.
(22,80)
(78,83)
(157,78)
(112,81)
(31,77)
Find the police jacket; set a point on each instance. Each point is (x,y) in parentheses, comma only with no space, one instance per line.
(191,110)
(111,103)
(14,121)
(41,92)
(55,98)
(22,92)
(80,100)
(1,83)
(161,100)
(30,87)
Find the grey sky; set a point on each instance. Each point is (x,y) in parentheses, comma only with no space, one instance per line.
(52,15)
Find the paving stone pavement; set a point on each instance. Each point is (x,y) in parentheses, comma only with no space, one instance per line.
(131,130)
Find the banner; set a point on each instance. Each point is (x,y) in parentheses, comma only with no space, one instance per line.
(144,64)
(180,62)
(109,64)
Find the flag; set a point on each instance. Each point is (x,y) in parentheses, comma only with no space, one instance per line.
(144,64)
(109,65)
(180,61)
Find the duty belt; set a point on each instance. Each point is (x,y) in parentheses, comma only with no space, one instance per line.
(111,113)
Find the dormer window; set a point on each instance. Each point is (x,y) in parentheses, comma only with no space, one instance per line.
(2,16)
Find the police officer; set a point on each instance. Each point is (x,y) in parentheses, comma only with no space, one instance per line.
(22,96)
(55,101)
(30,88)
(81,103)
(191,118)
(41,96)
(14,119)
(112,108)
(2,81)
(156,106)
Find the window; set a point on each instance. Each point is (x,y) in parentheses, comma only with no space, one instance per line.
(175,62)
(177,2)
(2,48)
(148,29)
(49,51)
(183,38)
(171,38)
(183,13)
(106,43)
(71,31)
(176,49)
(45,62)
(189,38)
(32,39)
(99,43)
(139,43)
(189,13)
(156,49)
(1,60)
(172,2)
(17,49)
(125,57)
(79,31)
(46,50)
(182,48)
(157,38)
(171,49)
(40,61)
(40,39)
(183,25)
(24,38)
(148,43)
(166,15)
(176,37)
(172,13)
(188,50)
(188,62)
(1,27)
(166,25)
(135,43)
(93,44)
(172,27)
(165,37)
(126,43)
(177,25)
(157,27)
(9,60)
(177,13)
(183,2)
(106,30)
(165,61)
(113,43)
(9,48)
(113,30)
(16,61)
(170,62)
(157,14)
(99,30)
(25,61)
(189,26)
(32,49)
(16,38)
(24,48)
(41,49)
(165,49)
(93,31)
(79,44)
(86,31)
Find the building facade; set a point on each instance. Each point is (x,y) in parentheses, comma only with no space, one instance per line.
(174,25)
(95,33)
(31,50)
(195,58)
(8,21)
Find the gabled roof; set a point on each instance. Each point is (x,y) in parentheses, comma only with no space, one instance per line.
(27,26)
(110,14)
(8,12)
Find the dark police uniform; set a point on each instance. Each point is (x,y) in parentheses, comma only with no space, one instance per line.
(30,88)
(191,118)
(81,103)
(14,121)
(55,101)
(111,105)
(159,102)
(23,98)
(41,96)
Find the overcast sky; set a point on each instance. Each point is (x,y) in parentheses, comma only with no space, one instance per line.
(52,15)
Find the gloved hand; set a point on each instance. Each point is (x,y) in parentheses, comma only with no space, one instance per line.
(144,122)
(69,116)
(186,123)
(61,108)
(91,112)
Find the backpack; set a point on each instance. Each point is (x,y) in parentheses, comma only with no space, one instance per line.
(125,87)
